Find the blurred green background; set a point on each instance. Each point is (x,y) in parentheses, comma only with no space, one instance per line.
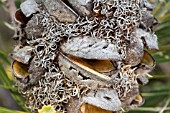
(156,92)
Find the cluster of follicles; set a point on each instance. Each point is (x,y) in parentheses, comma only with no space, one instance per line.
(71,53)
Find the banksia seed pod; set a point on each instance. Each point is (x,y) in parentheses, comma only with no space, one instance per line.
(83,56)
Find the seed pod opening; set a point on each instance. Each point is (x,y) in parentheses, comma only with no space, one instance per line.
(22,54)
(148,60)
(93,66)
(20,18)
(138,100)
(97,65)
(87,108)
(20,70)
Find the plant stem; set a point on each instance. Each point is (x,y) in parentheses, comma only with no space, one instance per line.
(12,8)
(165,106)
(155,94)
(153,109)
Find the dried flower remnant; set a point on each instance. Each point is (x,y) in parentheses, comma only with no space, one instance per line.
(81,55)
(47,109)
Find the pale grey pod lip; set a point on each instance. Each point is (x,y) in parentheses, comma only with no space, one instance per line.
(146,4)
(22,55)
(150,39)
(142,79)
(66,63)
(29,7)
(135,51)
(103,98)
(82,7)
(90,48)
(60,10)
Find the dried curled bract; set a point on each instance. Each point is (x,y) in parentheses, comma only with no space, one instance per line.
(83,56)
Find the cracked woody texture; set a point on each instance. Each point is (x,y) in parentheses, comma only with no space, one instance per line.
(83,55)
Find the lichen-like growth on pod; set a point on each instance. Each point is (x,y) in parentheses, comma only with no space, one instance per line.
(83,54)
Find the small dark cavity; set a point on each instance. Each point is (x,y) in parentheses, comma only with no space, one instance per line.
(18,32)
(41,96)
(134,102)
(72,68)
(83,76)
(138,65)
(142,26)
(15,38)
(107,98)
(90,45)
(22,18)
(139,81)
(114,9)
(110,73)
(114,63)
(118,75)
(155,22)
(143,40)
(39,48)
(104,47)
(119,51)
